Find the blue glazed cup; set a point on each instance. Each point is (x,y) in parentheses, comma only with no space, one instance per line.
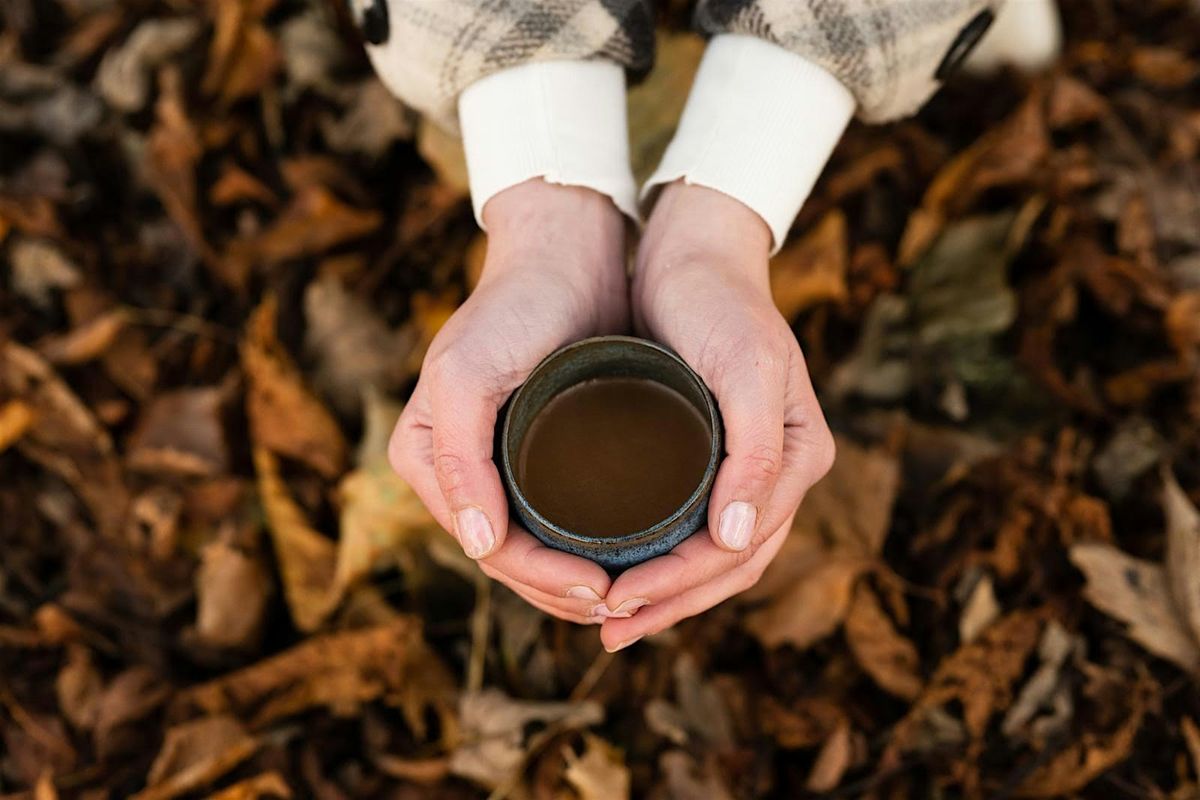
(608,357)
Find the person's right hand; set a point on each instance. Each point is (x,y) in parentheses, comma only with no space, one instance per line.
(554,274)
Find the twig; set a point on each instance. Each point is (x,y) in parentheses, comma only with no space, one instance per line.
(480,629)
(183,323)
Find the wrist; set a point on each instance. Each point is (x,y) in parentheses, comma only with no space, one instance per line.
(546,226)
(696,227)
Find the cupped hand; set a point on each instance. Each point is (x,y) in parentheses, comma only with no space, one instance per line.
(701,287)
(554,273)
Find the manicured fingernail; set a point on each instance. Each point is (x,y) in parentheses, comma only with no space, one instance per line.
(475,532)
(600,610)
(583,593)
(627,608)
(737,525)
(624,644)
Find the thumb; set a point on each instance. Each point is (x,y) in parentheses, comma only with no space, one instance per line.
(464,423)
(751,397)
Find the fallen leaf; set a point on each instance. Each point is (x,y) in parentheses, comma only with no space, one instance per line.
(383,521)
(79,687)
(313,222)
(231,597)
(353,348)
(306,558)
(813,608)
(1183,553)
(1134,448)
(832,762)
(889,658)
(496,732)
(86,342)
(980,610)
(979,676)
(64,436)
(181,433)
(1164,67)
(123,78)
(1085,759)
(268,784)
(131,697)
(196,753)
(600,773)
(371,124)
(1191,734)
(687,780)
(1046,689)
(284,415)
(39,269)
(243,56)
(15,419)
(1137,593)
(338,671)
(812,269)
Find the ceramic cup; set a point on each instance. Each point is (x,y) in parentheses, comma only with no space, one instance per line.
(608,357)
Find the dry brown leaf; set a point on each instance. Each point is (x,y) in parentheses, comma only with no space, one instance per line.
(79,686)
(268,784)
(1163,67)
(181,433)
(812,608)
(195,754)
(812,270)
(804,724)
(495,729)
(44,789)
(284,415)
(340,672)
(980,610)
(353,348)
(313,222)
(835,758)
(1137,593)
(1183,553)
(383,521)
(85,342)
(64,436)
(687,780)
(1183,322)
(15,419)
(243,57)
(600,773)
(1073,102)
(232,588)
(889,658)
(306,558)
(979,676)
(1085,759)
(129,698)
(1191,735)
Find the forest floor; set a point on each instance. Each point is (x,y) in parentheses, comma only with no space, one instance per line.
(223,251)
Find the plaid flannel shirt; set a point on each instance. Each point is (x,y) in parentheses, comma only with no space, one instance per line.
(890,54)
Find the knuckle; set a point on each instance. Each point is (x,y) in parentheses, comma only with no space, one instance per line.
(826,450)
(765,462)
(450,470)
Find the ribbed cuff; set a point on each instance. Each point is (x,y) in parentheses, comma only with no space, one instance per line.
(759,126)
(563,121)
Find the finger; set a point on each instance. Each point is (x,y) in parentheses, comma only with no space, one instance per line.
(578,619)
(528,562)
(563,607)
(694,562)
(618,633)
(410,452)
(464,425)
(750,393)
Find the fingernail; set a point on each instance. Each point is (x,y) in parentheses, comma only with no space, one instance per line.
(601,610)
(737,525)
(627,608)
(475,532)
(624,644)
(583,593)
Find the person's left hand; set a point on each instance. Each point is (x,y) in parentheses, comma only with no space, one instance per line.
(702,288)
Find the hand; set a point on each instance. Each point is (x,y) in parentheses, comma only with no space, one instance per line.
(701,287)
(554,273)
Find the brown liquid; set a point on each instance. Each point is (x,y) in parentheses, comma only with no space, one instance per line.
(613,456)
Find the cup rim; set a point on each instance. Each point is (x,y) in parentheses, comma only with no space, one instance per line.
(710,470)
